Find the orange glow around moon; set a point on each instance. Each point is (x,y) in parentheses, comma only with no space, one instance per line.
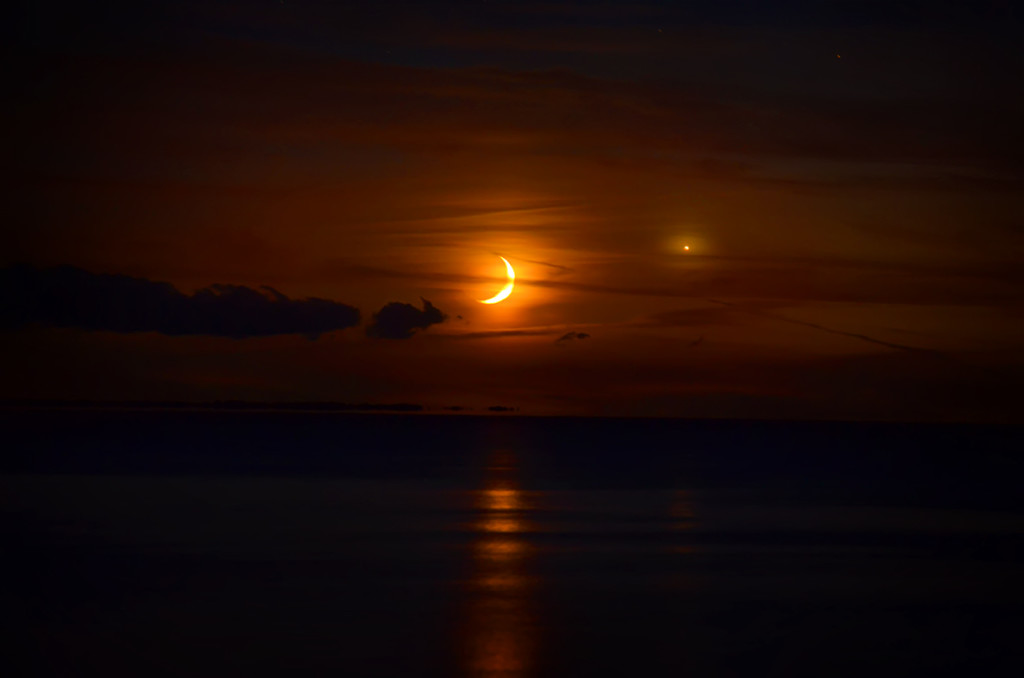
(507,290)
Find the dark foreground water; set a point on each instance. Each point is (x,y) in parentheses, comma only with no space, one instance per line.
(218,544)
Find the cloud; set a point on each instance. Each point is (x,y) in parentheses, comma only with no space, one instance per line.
(816,326)
(699,317)
(763,277)
(570,336)
(496,334)
(399,321)
(67,296)
(557,267)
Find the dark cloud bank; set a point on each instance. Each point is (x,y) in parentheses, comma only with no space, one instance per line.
(71,297)
(400,321)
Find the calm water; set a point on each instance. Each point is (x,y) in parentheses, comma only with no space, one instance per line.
(217,544)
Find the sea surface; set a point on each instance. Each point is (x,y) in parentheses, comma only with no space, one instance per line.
(221,544)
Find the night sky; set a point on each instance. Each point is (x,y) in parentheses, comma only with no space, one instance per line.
(713,209)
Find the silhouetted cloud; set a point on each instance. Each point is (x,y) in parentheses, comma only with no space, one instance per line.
(67,296)
(570,336)
(399,321)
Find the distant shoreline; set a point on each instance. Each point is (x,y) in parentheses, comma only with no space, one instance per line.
(243,406)
(329,407)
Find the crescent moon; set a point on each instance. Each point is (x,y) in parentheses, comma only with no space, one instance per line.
(505,291)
